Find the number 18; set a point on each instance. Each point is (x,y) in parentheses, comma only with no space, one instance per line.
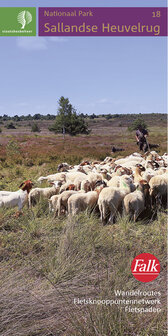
(156,14)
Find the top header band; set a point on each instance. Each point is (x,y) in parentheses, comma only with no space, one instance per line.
(102,21)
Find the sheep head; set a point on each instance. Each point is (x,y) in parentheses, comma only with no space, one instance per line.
(27,185)
(99,186)
(141,168)
(100,183)
(63,167)
(56,184)
(144,186)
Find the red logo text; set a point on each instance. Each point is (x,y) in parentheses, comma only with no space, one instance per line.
(145,267)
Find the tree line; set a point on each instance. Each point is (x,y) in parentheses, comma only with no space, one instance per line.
(68,120)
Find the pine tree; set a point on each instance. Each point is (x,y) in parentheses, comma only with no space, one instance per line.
(67,120)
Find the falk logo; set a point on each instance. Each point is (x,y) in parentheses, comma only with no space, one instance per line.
(145,267)
(24,18)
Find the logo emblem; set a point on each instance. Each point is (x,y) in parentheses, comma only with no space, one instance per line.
(24,18)
(145,267)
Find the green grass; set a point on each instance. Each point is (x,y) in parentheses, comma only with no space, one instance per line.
(46,263)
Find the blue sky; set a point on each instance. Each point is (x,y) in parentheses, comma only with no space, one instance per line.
(98,75)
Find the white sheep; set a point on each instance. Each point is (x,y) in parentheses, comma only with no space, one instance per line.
(82,201)
(53,177)
(158,185)
(87,181)
(16,198)
(93,178)
(160,171)
(53,203)
(137,173)
(87,169)
(78,181)
(60,202)
(130,161)
(78,184)
(136,202)
(110,201)
(72,176)
(77,168)
(67,186)
(119,181)
(36,193)
(149,173)
(85,186)
(119,171)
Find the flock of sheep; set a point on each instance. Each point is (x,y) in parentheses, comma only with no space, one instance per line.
(134,185)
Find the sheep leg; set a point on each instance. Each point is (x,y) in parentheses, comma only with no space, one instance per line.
(58,208)
(134,218)
(111,218)
(113,211)
(29,203)
(102,214)
(136,214)
(103,220)
(69,208)
(55,213)
(59,211)
(50,207)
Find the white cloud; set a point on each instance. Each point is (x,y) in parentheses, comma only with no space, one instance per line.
(32,43)
(37,42)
